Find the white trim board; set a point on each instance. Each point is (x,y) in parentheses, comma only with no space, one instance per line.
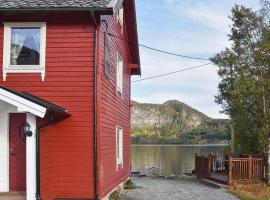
(115,4)
(22,104)
(31,159)
(5,109)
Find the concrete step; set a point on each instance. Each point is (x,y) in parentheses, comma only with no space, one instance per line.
(12,196)
(212,183)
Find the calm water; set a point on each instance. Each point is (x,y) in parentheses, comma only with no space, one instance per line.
(170,159)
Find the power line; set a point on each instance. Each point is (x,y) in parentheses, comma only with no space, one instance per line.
(174,72)
(159,50)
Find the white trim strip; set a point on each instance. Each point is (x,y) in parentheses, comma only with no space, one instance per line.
(31,159)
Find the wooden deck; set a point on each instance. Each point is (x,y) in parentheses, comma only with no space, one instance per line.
(230,169)
(219,177)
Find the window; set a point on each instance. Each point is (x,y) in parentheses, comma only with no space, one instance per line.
(119,146)
(107,66)
(119,73)
(24,48)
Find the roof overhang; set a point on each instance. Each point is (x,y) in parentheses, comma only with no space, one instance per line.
(25,102)
(132,34)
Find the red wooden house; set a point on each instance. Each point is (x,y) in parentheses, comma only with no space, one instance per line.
(65,96)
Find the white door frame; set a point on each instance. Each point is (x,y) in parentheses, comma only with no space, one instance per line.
(5,109)
(30,151)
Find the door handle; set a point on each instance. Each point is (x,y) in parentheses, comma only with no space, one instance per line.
(12,151)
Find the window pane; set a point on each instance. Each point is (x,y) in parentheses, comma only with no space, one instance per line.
(25,46)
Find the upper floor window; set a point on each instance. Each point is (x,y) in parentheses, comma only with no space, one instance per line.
(107,64)
(119,73)
(24,48)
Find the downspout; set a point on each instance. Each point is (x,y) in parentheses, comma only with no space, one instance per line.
(95,108)
(51,120)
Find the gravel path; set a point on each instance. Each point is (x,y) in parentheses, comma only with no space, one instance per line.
(179,189)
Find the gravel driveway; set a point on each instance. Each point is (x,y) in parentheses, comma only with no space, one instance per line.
(179,189)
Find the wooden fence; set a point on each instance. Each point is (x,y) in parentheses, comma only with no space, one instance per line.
(240,169)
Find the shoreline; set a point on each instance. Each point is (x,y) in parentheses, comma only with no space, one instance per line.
(184,145)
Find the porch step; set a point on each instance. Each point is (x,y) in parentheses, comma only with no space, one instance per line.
(12,196)
(212,183)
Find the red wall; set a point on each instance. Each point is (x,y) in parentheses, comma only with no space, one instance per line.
(114,110)
(67,164)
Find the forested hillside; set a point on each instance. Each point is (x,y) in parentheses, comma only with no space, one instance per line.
(175,123)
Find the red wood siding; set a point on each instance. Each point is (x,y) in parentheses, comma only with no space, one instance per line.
(67,164)
(114,110)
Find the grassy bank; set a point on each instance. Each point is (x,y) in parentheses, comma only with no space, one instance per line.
(251,192)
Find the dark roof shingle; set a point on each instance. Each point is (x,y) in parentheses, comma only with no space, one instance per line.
(53,4)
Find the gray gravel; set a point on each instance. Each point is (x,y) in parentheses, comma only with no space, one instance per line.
(178,189)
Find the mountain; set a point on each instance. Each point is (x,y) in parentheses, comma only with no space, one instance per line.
(175,123)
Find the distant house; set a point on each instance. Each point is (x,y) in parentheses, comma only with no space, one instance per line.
(65,96)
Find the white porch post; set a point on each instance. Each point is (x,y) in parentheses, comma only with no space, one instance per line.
(31,159)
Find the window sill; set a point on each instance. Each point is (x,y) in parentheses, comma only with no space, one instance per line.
(24,70)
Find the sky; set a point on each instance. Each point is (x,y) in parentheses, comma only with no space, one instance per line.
(190,27)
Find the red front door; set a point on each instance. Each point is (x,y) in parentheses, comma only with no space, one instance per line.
(17,153)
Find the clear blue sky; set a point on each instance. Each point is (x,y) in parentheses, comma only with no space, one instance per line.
(190,27)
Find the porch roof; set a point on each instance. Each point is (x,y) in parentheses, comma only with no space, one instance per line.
(26,102)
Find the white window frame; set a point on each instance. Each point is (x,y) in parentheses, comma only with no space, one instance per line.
(119,73)
(119,156)
(7,68)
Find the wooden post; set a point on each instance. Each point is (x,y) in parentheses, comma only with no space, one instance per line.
(230,170)
(209,165)
(249,167)
(232,138)
(196,163)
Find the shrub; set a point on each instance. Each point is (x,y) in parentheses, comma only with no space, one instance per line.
(129,185)
(115,195)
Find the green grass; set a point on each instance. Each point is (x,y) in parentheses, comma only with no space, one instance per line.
(251,192)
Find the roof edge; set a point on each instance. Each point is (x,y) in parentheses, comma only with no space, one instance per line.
(108,10)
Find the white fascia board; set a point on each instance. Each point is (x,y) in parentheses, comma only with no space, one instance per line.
(23,105)
(115,4)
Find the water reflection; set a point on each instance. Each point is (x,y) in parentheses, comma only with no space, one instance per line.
(170,159)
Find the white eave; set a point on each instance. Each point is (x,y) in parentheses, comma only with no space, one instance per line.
(22,104)
(115,4)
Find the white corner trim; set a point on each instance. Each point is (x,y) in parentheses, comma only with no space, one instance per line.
(31,159)
(7,68)
(22,104)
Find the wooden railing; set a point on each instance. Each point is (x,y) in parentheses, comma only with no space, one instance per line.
(250,169)
(241,168)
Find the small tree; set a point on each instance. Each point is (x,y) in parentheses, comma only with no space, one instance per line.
(244,90)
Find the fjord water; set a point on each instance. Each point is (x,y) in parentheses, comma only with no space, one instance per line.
(171,159)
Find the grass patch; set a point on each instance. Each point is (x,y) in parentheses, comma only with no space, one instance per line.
(129,185)
(115,195)
(251,192)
